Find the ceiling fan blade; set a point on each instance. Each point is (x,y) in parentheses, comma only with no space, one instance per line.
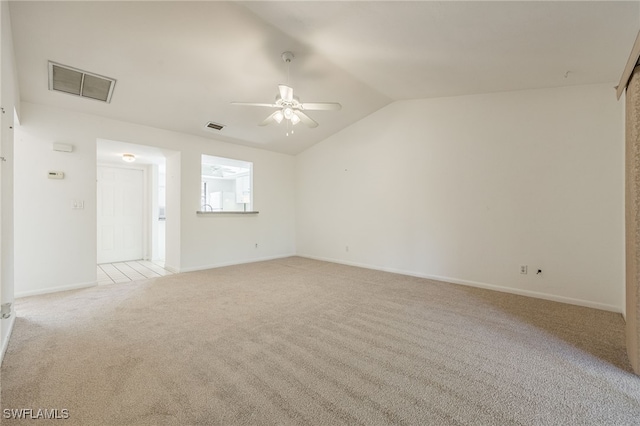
(321,106)
(254,104)
(270,119)
(286,92)
(306,119)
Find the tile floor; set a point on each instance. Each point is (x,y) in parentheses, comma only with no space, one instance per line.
(123,272)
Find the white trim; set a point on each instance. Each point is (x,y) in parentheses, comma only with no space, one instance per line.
(173,269)
(146,212)
(5,343)
(520,292)
(628,69)
(220,265)
(56,289)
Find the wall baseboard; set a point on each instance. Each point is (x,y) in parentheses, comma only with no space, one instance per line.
(167,267)
(220,265)
(173,269)
(55,289)
(5,342)
(451,280)
(520,292)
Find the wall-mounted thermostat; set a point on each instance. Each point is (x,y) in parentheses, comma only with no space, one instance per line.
(56,175)
(62,147)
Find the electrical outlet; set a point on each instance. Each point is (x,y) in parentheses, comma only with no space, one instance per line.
(346,248)
(523,269)
(256,245)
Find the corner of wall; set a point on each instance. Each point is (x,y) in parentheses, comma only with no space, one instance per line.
(6,334)
(9,93)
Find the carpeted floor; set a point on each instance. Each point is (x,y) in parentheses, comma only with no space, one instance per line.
(298,341)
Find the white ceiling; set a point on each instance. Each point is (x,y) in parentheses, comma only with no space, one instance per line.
(180,64)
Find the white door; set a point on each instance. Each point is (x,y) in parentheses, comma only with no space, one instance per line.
(120,214)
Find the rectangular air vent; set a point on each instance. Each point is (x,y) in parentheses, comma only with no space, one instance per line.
(214,126)
(70,80)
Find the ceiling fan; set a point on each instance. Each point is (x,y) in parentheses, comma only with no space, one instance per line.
(289,107)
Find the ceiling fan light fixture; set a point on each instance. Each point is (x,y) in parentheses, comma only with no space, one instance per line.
(278,116)
(288,113)
(295,119)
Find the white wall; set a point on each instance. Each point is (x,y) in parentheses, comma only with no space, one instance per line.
(490,182)
(47,230)
(173,223)
(10,102)
(232,238)
(64,240)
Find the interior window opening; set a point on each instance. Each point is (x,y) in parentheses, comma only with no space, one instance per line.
(226,185)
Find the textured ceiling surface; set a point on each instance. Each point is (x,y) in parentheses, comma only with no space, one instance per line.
(179,64)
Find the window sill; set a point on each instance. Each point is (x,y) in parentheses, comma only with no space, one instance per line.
(199,212)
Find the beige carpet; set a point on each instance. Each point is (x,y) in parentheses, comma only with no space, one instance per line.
(297,341)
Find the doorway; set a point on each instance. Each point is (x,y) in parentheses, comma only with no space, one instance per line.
(120,220)
(131,199)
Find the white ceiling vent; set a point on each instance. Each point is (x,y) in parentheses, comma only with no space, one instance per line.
(214,126)
(80,83)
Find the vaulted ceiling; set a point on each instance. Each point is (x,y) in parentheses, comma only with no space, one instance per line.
(180,64)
